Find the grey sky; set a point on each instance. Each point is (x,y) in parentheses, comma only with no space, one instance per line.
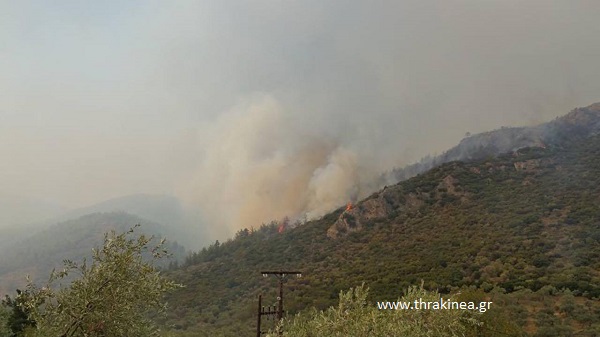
(107,98)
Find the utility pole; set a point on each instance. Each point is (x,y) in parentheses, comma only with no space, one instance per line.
(279,312)
(258,332)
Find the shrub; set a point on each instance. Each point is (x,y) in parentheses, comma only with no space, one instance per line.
(111,297)
(355,317)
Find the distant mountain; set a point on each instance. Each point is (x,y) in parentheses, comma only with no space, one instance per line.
(521,228)
(73,239)
(19,210)
(18,216)
(180,224)
(163,209)
(579,123)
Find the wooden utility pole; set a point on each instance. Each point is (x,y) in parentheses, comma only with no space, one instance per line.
(258,332)
(270,312)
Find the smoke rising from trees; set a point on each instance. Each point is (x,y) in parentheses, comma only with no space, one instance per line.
(255,110)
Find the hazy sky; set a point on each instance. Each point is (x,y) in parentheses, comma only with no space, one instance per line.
(269,107)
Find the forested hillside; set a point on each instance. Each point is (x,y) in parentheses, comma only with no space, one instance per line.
(521,227)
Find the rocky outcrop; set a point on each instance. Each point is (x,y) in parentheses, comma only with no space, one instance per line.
(528,165)
(389,201)
(449,185)
(377,207)
(579,123)
(346,223)
(533,165)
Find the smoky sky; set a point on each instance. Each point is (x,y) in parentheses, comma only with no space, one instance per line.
(253,110)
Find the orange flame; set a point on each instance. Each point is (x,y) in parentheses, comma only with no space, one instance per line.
(349,207)
(283,224)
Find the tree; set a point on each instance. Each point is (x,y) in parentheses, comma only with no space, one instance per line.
(111,297)
(14,318)
(4,316)
(354,317)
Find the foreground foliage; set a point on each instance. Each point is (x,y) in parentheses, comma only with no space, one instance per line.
(14,316)
(4,325)
(110,297)
(355,317)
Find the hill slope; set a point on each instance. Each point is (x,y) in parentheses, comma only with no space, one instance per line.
(178,222)
(525,220)
(579,123)
(73,239)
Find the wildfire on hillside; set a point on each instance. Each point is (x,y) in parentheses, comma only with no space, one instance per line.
(283,225)
(349,206)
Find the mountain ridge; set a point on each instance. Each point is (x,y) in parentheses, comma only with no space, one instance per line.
(583,122)
(73,239)
(523,222)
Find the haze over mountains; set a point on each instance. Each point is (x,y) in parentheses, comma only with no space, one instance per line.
(581,122)
(37,247)
(44,250)
(19,216)
(209,101)
(444,124)
(515,223)
(180,223)
(495,211)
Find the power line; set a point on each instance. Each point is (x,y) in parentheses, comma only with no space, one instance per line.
(269,312)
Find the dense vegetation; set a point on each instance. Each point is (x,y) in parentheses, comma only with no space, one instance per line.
(353,316)
(524,223)
(4,324)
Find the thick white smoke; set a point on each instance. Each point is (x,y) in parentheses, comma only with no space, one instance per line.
(96,100)
(255,166)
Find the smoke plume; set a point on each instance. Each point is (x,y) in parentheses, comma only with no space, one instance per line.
(256,166)
(254,110)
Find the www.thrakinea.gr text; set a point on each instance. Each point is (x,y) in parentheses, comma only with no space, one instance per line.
(440,304)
